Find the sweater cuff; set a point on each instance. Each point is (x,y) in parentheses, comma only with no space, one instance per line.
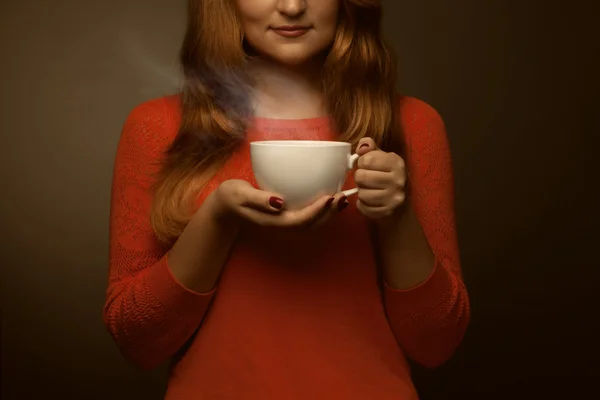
(425,295)
(171,293)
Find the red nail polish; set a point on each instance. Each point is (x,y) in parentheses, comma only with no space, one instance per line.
(343,203)
(329,202)
(276,202)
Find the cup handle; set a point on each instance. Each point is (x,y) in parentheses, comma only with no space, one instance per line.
(351,161)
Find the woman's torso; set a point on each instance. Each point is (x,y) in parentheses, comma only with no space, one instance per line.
(297,314)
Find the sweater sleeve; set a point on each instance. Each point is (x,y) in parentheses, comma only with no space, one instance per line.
(148,313)
(429,320)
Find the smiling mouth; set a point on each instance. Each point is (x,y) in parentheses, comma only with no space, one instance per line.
(291,31)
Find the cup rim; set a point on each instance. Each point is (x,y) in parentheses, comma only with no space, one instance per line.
(299,143)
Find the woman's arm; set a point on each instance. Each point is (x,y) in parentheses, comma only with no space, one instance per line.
(425,297)
(199,254)
(406,255)
(155,301)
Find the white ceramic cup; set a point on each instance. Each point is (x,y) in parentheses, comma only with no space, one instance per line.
(302,170)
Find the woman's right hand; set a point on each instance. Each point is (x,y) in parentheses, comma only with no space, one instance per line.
(239,199)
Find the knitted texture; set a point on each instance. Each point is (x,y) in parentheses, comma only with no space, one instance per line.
(295,315)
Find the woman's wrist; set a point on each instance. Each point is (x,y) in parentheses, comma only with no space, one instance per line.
(407,257)
(198,256)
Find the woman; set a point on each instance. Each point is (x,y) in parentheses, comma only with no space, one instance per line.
(210,271)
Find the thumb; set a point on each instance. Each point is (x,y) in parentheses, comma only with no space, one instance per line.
(240,193)
(365,145)
(263,201)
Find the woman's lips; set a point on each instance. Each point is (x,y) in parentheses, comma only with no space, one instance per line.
(291,31)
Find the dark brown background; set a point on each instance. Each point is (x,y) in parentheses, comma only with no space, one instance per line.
(511,78)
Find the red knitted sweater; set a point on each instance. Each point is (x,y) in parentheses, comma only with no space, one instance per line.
(295,315)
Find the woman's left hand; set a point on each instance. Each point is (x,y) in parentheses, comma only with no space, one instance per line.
(380,178)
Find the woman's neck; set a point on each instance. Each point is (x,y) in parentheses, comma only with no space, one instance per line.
(286,93)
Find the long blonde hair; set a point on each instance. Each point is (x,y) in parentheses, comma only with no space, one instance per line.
(359,85)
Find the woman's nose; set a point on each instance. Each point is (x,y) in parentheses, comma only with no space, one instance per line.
(291,8)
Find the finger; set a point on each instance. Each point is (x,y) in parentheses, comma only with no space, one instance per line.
(260,200)
(374,197)
(365,145)
(377,160)
(339,203)
(367,179)
(306,216)
(374,212)
(295,218)
(342,204)
(321,217)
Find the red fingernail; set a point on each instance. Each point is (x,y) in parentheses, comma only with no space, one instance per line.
(276,202)
(329,202)
(362,146)
(343,203)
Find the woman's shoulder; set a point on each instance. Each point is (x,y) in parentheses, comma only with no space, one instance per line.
(154,120)
(414,112)
(150,127)
(160,110)
(422,125)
